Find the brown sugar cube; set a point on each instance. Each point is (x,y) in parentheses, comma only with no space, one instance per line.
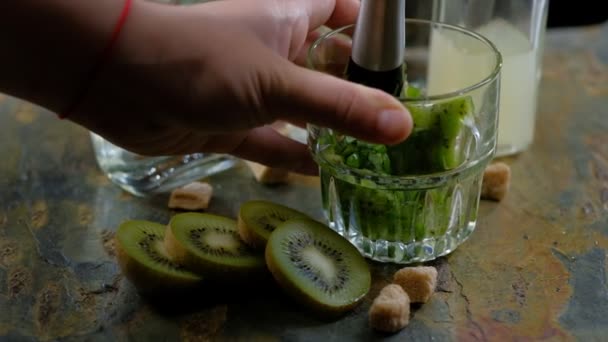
(390,311)
(268,175)
(193,196)
(418,282)
(496,181)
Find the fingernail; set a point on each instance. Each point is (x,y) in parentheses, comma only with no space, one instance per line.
(394,124)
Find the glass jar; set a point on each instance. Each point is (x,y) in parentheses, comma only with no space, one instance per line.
(517,28)
(417,200)
(142,175)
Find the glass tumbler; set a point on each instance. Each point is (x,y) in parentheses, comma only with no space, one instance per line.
(517,28)
(417,200)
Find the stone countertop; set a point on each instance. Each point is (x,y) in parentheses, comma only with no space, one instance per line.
(534,269)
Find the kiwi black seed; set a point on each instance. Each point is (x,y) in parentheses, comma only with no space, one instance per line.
(210,244)
(145,262)
(258,219)
(317,267)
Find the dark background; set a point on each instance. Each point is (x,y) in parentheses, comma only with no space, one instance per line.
(576,13)
(561,13)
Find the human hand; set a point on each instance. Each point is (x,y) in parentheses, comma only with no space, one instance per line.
(213,77)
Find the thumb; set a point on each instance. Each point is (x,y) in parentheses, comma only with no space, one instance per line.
(321,99)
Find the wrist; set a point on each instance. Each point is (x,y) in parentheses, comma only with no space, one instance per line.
(125,74)
(99,63)
(45,63)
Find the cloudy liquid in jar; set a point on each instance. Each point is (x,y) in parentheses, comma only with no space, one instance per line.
(519,79)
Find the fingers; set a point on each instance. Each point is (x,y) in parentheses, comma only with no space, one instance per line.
(340,46)
(332,13)
(268,147)
(328,101)
(345,13)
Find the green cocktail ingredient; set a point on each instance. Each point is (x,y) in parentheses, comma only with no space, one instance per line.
(433,146)
(392,215)
(438,143)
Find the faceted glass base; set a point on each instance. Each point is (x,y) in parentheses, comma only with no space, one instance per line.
(407,224)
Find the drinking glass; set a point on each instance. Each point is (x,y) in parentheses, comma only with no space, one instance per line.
(423,213)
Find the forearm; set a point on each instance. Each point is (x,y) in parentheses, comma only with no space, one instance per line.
(47,47)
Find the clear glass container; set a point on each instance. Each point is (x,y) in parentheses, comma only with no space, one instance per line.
(423,213)
(517,28)
(142,175)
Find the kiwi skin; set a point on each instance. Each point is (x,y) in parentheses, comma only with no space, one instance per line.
(150,282)
(213,272)
(174,248)
(248,236)
(252,238)
(323,311)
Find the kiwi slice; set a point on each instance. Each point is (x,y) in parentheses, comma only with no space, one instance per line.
(210,244)
(317,267)
(452,117)
(145,262)
(436,143)
(257,219)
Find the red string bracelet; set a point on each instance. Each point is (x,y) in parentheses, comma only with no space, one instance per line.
(104,56)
